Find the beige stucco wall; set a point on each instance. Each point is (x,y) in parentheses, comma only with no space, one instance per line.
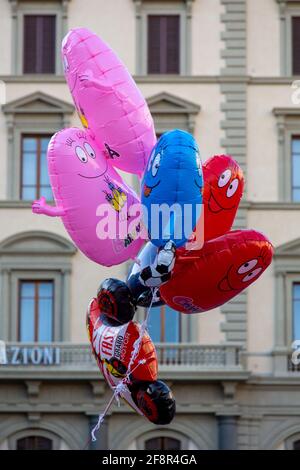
(263,38)
(207,128)
(209,327)
(108,19)
(5,37)
(206,37)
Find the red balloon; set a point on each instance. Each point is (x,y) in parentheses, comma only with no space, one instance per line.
(223,189)
(204,279)
(116,343)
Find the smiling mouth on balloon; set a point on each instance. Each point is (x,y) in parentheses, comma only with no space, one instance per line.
(91,177)
(147,189)
(213,205)
(198,185)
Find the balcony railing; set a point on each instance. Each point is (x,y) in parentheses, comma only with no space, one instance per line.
(71,357)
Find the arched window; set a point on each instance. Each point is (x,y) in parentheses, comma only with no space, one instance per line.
(34,443)
(163,443)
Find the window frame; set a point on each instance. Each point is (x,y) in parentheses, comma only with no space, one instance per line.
(21,8)
(36,113)
(293,137)
(37,136)
(36,310)
(35,255)
(35,437)
(294,282)
(183,10)
(34,431)
(287,272)
(288,124)
(164,43)
(39,44)
(163,438)
(287,11)
(158,433)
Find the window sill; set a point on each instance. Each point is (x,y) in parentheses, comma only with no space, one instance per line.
(17,204)
(37,78)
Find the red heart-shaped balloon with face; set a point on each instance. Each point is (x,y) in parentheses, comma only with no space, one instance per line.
(223,189)
(204,279)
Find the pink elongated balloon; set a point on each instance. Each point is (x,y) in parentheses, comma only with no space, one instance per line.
(99,211)
(107,100)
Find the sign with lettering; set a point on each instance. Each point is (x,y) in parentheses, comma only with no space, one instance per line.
(29,355)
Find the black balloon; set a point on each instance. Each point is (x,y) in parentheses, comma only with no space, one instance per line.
(155,400)
(116,301)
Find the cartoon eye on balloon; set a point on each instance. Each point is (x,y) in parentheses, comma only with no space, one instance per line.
(199,165)
(156,164)
(247,266)
(89,149)
(232,187)
(151,159)
(81,154)
(224,178)
(251,275)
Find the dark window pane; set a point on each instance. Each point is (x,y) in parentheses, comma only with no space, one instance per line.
(162,443)
(29,144)
(39,44)
(172,323)
(44,144)
(29,193)
(45,320)
(296,168)
(154,43)
(155,324)
(29,167)
(173,44)
(164,325)
(27,320)
(34,443)
(296,311)
(44,175)
(296,445)
(163,43)
(296,44)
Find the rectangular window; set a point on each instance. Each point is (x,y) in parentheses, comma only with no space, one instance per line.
(296,311)
(296,44)
(36,302)
(39,44)
(163,44)
(34,172)
(164,325)
(296,168)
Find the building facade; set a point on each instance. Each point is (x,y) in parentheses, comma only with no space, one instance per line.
(226,71)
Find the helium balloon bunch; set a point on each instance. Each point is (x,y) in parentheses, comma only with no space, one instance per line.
(178,230)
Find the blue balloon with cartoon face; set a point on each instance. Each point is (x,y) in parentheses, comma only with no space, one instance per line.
(171,191)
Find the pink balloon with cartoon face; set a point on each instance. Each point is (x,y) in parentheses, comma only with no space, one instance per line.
(107,100)
(100,212)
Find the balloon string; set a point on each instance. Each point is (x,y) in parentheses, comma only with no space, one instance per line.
(121,387)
